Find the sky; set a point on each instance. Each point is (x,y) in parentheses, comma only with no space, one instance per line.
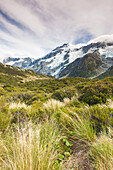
(32,28)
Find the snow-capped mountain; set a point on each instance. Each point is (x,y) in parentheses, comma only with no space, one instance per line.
(66,57)
(18,62)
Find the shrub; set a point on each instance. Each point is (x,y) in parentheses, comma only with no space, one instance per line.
(20,112)
(67,92)
(8,87)
(95,93)
(2,91)
(92,99)
(5,119)
(101,117)
(5,115)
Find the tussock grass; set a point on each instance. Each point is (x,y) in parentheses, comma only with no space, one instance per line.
(33,147)
(53,105)
(18,105)
(110,103)
(78,128)
(68,101)
(102,153)
(37,146)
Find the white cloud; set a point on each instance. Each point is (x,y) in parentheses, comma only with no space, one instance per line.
(50,23)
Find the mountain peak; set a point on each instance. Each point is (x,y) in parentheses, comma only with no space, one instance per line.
(59,59)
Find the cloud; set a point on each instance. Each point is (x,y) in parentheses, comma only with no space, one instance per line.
(34,27)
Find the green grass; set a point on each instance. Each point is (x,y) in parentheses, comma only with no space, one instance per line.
(48,124)
(33,147)
(78,128)
(65,131)
(102,153)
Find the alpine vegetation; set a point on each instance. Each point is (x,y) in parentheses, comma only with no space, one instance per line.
(50,123)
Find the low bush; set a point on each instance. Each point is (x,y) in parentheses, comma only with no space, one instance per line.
(68,92)
(5,115)
(20,112)
(100,116)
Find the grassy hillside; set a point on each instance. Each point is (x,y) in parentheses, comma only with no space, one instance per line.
(48,123)
(108,73)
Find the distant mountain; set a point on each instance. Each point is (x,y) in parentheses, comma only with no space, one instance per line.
(82,60)
(19,62)
(89,66)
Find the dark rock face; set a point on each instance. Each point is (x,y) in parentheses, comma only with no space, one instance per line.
(66,56)
(60,47)
(88,66)
(94,45)
(11,59)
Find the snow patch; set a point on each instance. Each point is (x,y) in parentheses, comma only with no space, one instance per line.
(11,63)
(57,60)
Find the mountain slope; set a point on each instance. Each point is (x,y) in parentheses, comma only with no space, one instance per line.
(108,73)
(59,60)
(90,65)
(14,75)
(19,62)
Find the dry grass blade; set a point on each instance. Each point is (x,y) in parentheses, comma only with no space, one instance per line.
(31,148)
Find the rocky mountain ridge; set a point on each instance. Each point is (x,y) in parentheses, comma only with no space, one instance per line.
(82,60)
